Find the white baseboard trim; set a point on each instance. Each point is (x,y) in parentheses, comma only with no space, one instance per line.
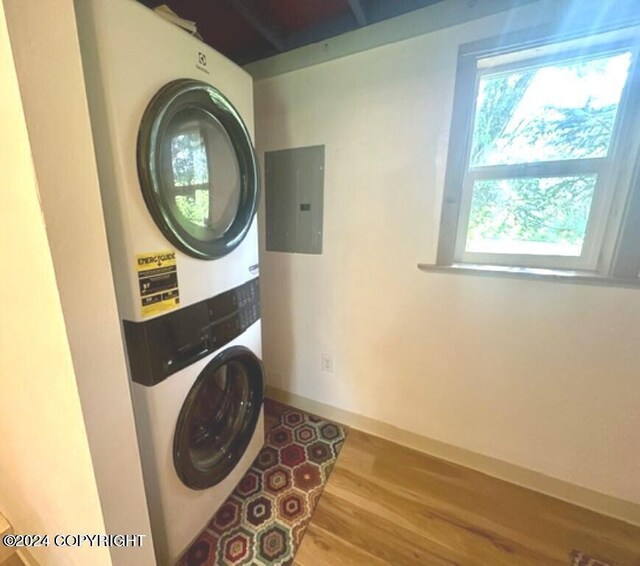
(536,481)
(5,529)
(7,552)
(27,558)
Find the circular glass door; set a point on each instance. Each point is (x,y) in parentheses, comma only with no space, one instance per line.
(197,169)
(218,418)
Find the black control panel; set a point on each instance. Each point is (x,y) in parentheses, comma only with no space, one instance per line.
(162,346)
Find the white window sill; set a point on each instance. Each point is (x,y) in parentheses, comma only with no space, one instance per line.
(557,275)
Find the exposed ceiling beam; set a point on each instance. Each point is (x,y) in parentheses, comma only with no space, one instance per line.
(250,11)
(377,10)
(342,23)
(358,11)
(382,9)
(247,55)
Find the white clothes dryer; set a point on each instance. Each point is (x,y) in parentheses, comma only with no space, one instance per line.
(173,126)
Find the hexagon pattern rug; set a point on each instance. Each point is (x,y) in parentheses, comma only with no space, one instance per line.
(263,521)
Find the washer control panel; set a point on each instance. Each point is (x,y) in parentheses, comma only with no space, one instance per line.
(162,346)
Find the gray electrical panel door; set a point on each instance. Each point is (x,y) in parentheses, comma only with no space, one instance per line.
(294,194)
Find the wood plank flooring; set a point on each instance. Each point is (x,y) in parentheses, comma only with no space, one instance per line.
(386,504)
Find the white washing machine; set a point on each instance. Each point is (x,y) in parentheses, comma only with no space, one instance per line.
(173,123)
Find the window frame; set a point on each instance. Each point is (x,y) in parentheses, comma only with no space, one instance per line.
(614,218)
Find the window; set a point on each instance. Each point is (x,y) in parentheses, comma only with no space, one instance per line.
(542,155)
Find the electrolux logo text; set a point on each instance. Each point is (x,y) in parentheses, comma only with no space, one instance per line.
(202,62)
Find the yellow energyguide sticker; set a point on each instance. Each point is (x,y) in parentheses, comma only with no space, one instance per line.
(158,282)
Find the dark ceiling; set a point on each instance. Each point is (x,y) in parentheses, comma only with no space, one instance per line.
(249,30)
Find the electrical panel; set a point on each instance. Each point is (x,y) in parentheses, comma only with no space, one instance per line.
(294,194)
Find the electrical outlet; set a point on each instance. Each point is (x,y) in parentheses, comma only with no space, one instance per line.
(326,363)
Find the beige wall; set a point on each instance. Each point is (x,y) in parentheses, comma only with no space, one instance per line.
(46,474)
(47,58)
(539,374)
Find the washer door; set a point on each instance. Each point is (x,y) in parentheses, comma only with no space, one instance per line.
(218,418)
(197,169)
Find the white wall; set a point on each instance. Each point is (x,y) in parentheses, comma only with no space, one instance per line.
(47,483)
(539,374)
(47,57)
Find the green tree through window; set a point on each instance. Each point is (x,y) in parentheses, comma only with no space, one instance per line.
(557,112)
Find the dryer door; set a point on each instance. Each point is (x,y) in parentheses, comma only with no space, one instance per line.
(197,169)
(218,418)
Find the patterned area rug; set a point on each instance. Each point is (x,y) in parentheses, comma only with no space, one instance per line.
(579,559)
(264,519)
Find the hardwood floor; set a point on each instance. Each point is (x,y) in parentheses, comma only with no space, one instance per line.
(389,505)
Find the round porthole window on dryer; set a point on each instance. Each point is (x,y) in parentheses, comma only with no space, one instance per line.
(218,418)
(197,168)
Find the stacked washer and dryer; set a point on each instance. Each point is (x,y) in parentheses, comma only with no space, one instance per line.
(173,124)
